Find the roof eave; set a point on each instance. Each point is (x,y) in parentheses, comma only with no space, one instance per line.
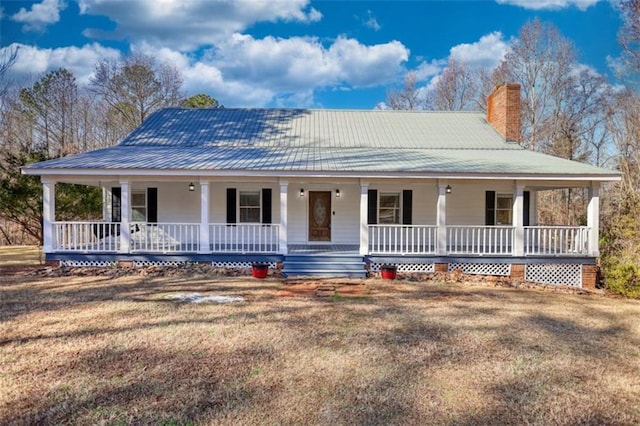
(600,177)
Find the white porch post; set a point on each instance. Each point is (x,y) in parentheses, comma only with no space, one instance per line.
(48,214)
(283,231)
(533,206)
(105,205)
(125,212)
(593,218)
(364,218)
(205,246)
(441,218)
(518,219)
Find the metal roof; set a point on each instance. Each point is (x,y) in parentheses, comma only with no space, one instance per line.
(318,141)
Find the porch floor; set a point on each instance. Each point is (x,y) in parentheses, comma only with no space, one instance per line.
(329,249)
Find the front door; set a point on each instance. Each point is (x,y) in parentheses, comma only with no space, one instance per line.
(319,215)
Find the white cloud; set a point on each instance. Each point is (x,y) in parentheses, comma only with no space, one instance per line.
(427,70)
(372,22)
(33,61)
(486,52)
(188,24)
(244,71)
(550,4)
(40,15)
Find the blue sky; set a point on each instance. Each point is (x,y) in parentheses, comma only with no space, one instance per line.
(295,53)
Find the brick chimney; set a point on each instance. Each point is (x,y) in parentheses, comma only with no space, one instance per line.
(503,111)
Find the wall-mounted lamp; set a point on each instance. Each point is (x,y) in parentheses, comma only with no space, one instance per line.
(302,192)
(337,193)
(192,187)
(448,189)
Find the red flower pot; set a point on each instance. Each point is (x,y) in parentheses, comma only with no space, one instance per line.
(259,270)
(388,272)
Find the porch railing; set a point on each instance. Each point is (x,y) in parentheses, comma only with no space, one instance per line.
(86,236)
(402,239)
(556,240)
(480,240)
(165,237)
(263,238)
(244,237)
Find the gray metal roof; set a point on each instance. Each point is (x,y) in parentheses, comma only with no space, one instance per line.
(318,141)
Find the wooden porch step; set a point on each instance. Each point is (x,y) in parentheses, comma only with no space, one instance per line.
(326,265)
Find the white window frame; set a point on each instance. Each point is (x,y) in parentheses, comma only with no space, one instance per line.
(259,206)
(145,206)
(399,208)
(509,209)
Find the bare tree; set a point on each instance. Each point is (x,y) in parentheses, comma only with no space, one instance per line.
(542,61)
(455,90)
(7,60)
(629,38)
(136,87)
(624,127)
(406,98)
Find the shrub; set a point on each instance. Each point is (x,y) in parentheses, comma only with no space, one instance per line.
(620,257)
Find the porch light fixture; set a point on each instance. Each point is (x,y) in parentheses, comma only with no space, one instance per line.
(448,189)
(192,187)
(337,193)
(302,192)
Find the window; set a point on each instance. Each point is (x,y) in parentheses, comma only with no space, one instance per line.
(504,209)
(138,206)
(389,211)
(250,207)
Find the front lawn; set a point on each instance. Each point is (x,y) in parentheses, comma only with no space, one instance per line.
(120,350)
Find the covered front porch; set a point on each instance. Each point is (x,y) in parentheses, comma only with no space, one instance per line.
(435,220)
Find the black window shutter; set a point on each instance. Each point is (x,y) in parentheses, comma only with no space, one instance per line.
(231,205)
(152,205)
(407,204)
(490,204)
(116,204)
(526,197)
(266,205)
(372,213)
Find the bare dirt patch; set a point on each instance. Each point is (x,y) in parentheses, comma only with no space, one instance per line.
(117,349)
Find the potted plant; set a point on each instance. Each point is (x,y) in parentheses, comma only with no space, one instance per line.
(388,272)
(259,270)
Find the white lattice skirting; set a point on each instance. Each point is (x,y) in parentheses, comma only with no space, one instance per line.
(406,267)
(499,269)
(566,274)
(146,263)
(88,263)
(239,265)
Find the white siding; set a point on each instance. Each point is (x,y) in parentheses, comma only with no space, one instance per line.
(425,195)
(345,223)
(218,199)
(176,203)
(466,203)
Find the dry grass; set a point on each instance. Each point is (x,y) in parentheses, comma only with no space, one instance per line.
(99,350)
(20,256)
